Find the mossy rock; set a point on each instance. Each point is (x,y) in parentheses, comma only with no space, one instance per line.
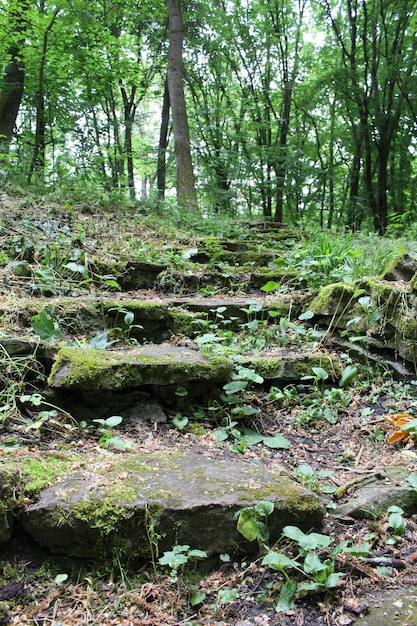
(177,496)
(334,299)
(402,267)
(293,367)
(83,368)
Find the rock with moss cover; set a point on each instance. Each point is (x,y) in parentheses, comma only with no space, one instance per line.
(87,369)
(135,502)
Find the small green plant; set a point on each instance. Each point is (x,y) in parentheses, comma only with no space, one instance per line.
(252,522)
(319,573)
(397,522)
(46,419)
(306,476)
(178,557)
(124,324)
(108,439)
(46,327)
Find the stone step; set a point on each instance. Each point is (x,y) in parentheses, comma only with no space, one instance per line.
(143,501)
(156,317)
(164,365)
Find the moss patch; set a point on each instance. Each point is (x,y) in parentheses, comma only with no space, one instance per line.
(81,368)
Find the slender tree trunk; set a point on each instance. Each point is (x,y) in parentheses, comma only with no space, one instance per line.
(39,149)
(186,192)
(13,78)
(163,144)
(129,108)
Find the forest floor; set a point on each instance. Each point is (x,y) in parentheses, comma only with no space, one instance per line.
(324,455)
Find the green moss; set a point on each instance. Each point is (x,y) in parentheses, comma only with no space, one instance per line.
(82,368)
(38,474)
(294,367)
(183,322)
(333,299)
(102,514)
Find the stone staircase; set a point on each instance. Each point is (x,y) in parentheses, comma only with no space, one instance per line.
(81,500)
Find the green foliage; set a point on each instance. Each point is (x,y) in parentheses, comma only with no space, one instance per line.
(307,570)
(178,557)
(110,441)
(48,329)
(252,522)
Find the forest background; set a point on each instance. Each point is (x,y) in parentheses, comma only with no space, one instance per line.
(299,111)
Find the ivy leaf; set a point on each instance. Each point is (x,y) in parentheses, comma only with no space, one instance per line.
(46,327)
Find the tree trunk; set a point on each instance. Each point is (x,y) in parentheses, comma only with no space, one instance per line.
(38,158)
(163,143)
(13,78)
(186,192)
(129,108)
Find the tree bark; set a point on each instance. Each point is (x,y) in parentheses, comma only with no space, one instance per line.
(186,192)
(163,143)
(13,78)
(129,108)
(38,158)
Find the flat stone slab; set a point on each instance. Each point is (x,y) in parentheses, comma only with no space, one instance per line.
(164,364)
(178,497)
(84,368)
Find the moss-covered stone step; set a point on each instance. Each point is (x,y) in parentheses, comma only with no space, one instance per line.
(165,365)
(84,368)
(170,497)
(379,314)
(155,319)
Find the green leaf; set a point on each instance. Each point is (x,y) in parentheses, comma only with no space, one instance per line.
(412,479)
(410,426)
(333,580)
(181,392)
(277,442)
(220,434)
(77,268)
(113,421)
(278,561)
(46,327)
(271,285)
(286,597)
(197,597)
(34,398)
(61,578)
(249,374)
(129,318)
(313,541)
(118,443)
(307,315)
(251,437)
(197,554)
(247,525)
(180,421)
(226,595)
(235,386)
(312,564)
(264,508)
(348,374)
(320,373)
(100,341)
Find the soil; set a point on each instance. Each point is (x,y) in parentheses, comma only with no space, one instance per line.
(350,444)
